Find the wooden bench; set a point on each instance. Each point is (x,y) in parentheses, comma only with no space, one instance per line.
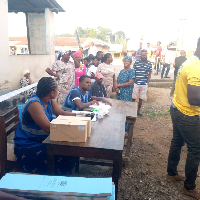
(8,124)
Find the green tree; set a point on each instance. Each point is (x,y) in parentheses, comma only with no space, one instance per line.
(65,35)
(103,33)
(120,34)
(92,33)
(86,32)
(80,32)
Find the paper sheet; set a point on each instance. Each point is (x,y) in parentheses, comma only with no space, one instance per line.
(57,183)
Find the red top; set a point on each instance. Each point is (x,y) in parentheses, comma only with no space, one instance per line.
(160,50)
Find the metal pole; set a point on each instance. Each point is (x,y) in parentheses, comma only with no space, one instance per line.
(78,42)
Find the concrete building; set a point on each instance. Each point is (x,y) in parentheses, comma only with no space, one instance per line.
(20,45)
(117,53)
(40,36)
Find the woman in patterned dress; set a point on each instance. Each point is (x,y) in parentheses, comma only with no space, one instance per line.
(25,81)
(64,71)
(81,70)
(125,80)
(108,72)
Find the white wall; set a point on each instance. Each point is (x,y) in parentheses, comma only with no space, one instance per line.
(36,64)
(5,75)
(50,35)
(12,66)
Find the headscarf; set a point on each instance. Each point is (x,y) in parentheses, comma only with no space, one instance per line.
(25,72)
(61,53)
(76,54)
(128,58)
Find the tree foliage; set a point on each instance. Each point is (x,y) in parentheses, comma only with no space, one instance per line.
(101,33)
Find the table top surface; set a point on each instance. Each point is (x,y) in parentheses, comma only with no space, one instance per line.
(123,107)
(107,133)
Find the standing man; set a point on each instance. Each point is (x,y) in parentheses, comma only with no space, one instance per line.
(177,64)
(185,111)
(167,62)
(158,57)
(90,59)
(149,51)
(143,69)
(93,49)
(138,53)
(100,56)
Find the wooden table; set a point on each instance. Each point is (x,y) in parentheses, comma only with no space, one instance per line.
(130,110)
(106,142)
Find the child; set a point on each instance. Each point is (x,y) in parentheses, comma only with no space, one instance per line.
(93,68)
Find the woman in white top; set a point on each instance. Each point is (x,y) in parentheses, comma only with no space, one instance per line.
(108,72)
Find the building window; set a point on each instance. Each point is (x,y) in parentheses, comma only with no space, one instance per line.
(116,55)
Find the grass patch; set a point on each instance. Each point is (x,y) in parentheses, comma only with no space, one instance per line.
(156,113)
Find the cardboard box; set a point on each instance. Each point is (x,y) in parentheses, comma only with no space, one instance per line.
(72,118)
(68,130)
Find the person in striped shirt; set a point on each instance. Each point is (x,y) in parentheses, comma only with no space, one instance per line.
(143,69)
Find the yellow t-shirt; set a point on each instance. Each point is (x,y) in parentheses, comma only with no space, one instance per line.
(189,73)
(149,52)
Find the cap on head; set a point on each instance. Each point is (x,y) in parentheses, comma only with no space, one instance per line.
(26,72)
(99,75)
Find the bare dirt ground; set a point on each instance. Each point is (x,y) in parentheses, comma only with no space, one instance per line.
(145,177)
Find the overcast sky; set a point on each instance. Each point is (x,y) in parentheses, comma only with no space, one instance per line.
(155,19)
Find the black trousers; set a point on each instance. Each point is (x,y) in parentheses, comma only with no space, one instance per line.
(185,129)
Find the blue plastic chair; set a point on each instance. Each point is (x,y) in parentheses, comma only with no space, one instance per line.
(20,110)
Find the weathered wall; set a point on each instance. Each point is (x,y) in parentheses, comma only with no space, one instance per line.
(5,75)
(37,33)
(41,41)
(35,64)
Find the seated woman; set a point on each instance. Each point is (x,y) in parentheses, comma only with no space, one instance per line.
(80,97)
(25,81)
(34,128)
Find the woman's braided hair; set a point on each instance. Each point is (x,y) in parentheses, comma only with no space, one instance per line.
(45,86)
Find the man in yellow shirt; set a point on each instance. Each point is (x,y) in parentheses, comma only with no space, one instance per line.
(185,110)
(149,52)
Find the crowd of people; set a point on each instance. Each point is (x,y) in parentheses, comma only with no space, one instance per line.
(85,82)
(73,85)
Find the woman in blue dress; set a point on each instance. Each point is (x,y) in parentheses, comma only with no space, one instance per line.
(34,128)
(125,82)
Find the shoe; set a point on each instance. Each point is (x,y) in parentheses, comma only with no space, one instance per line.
(175,178)
(192,193)
(167,77)
(139,114)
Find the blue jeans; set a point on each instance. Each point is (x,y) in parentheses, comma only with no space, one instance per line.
(163,70)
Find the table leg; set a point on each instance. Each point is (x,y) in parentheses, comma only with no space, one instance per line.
(77,165)
(129,142)
(50,162)
(117,167)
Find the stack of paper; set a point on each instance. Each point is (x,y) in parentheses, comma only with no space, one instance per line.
(102,108)
(49,187)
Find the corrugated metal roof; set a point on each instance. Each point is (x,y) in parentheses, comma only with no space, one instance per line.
(33,6)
